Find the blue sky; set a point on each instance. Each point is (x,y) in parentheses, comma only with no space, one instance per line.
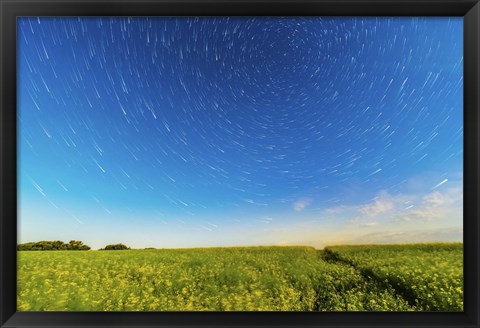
(184,132)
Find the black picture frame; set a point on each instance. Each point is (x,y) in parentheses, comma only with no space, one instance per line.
(10,10)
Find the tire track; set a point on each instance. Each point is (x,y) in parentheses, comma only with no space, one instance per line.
(398,287)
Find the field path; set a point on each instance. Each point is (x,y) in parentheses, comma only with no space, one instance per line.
(427,276)
(401,291)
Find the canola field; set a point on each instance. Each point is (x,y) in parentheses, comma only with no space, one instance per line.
(416,277)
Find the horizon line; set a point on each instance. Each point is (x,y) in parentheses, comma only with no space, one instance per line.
(260,246)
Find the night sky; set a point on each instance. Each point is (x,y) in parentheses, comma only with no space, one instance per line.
(184,132)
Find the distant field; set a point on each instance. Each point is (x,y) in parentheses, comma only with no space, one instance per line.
(421,277)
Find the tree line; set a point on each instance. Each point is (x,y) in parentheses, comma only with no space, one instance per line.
(56,245)
(72,245)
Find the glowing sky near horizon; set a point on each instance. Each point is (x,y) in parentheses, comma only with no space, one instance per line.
(184,132)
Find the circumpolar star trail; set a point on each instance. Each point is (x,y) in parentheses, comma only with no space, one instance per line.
(191,131)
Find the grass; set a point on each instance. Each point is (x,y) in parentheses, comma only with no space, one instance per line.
(423,277)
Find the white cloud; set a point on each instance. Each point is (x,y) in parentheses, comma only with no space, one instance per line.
(427,213)
(410,236)
(435,205)
(266,220)
(301,204)
(437,199)
(381,204)
(386,208)
(335,210)
(368,224)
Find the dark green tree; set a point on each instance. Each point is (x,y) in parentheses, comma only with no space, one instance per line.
(115,247)
(77,245)
(55,245)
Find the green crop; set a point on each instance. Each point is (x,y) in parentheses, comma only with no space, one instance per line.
(430,276)
(243,279)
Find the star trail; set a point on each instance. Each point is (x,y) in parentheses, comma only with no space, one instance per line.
(205,131)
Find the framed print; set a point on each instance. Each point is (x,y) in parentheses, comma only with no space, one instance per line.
(223,163)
